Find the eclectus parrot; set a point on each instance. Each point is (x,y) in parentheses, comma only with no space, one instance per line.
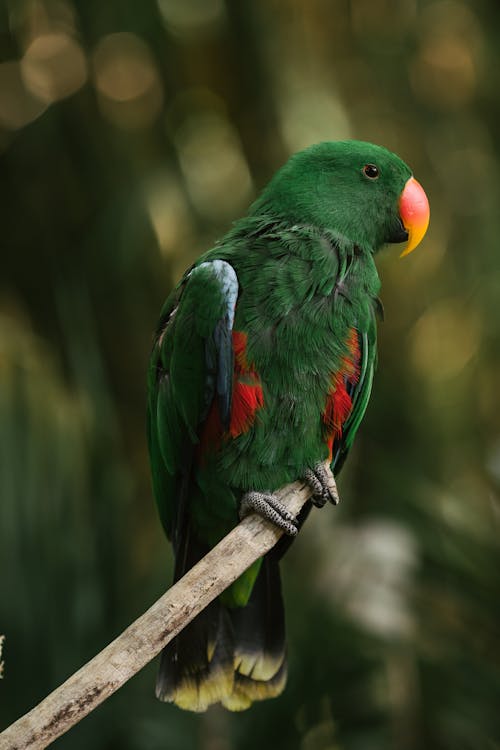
(261,370)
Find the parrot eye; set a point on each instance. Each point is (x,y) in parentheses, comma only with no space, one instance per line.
(371,171)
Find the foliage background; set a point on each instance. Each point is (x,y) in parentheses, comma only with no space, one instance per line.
(131,134)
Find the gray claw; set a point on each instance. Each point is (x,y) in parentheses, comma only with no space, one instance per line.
(321,481)
(267,506)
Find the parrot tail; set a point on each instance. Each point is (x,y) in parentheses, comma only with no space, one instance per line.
(260,664)
(229,655)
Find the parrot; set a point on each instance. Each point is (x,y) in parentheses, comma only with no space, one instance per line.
(260,375)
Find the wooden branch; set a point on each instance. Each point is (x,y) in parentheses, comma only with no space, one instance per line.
(145,638)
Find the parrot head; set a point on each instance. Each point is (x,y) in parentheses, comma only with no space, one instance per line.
(358,190)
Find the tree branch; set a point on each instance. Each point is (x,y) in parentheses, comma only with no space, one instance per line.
(145,638)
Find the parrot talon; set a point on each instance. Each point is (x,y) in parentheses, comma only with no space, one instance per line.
(268,507)
(321,481)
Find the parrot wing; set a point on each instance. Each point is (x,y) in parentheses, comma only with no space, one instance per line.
(229,654)
(191,366)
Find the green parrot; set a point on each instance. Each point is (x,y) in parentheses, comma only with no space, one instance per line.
(261,370)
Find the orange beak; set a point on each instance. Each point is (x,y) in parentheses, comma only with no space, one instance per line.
(415,213)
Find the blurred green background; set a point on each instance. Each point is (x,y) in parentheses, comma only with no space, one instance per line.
(131,135)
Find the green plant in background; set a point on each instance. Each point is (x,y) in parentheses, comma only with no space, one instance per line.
(130,134)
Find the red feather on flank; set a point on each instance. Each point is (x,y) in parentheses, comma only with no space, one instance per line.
(247,398)
(339,403)
(247,389)
(353,361)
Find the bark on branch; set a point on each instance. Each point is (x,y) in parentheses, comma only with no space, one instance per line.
(145,638)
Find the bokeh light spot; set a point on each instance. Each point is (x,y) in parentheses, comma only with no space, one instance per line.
(54,66)
(310,115)
(371,585)
(168,212)
(211,157)
(187,17)
(444,74)
(18,106)
(127,82)
(445,339)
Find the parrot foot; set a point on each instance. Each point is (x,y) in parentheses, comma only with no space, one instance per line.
(321,481)
(267,506)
